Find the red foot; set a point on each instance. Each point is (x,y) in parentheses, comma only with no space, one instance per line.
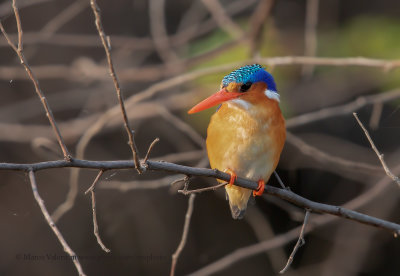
(260,189)
(233,176)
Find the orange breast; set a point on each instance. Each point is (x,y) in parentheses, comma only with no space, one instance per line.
(247,136)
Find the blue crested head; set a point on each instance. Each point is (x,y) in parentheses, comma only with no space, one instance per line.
(250,74)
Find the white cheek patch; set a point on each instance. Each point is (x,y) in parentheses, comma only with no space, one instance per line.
(272,95)
(241,103)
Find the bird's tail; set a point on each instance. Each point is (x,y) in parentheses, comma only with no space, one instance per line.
(238,198)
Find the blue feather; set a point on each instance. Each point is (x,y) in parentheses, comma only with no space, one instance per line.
(250,73)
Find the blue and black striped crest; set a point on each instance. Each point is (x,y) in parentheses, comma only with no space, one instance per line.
(250,73)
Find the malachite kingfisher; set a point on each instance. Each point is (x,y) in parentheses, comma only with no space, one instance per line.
(246,134)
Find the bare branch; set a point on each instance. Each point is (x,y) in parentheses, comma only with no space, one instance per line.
(242,182)
(19,51)
(53,226)
(300,243)
(182,243)
(95,225)
(107,47)
(380,155)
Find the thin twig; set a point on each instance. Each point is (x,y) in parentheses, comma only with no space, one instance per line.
(155,141)
(53,226)
(380,155)
(300,243)
(95,224)
(182,243)
(197,191)
(19,51)
(107,47)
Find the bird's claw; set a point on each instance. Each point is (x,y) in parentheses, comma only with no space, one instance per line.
(233,176)
(260,188)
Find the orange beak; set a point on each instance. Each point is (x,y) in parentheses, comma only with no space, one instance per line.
(217,98)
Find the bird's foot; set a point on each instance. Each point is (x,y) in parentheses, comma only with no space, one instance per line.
(260,188)
(233,176)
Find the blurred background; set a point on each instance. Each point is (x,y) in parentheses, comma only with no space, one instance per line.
(169,54)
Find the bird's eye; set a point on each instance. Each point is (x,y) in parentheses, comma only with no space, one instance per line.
(245,86)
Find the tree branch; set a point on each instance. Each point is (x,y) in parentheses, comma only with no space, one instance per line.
(242,182)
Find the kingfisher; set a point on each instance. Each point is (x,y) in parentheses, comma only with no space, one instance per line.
(246,134)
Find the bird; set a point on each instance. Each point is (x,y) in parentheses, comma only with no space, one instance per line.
(246,134)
